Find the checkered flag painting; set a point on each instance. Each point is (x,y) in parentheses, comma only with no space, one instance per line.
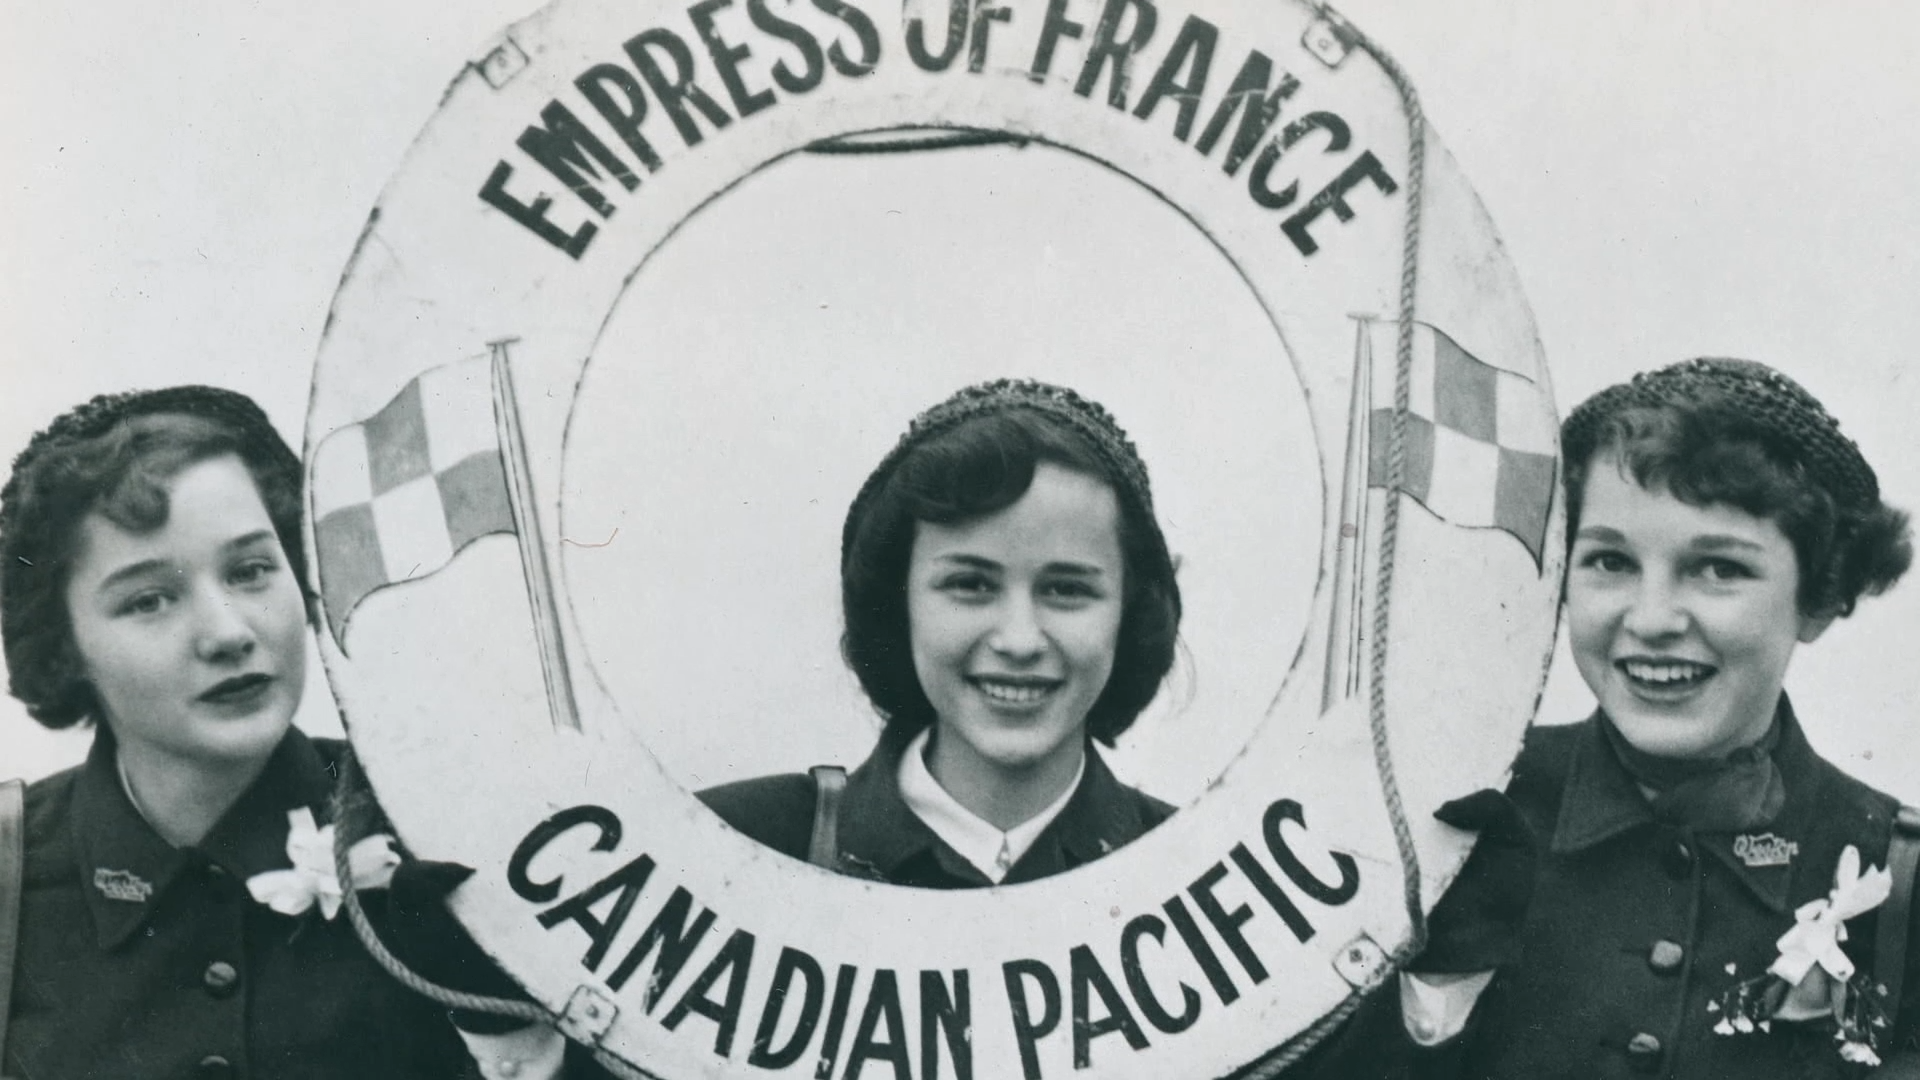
(1481,442)
(398,495)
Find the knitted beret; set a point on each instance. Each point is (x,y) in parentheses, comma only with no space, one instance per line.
(1750,399)
(1086,418)
(98,416)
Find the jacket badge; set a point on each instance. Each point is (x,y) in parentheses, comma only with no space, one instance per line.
(122,885)
(1764,849)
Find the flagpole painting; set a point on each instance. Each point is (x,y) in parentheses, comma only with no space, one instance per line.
(1269,133)
(533,551)
(1481,452)
(1345,664)
(398,496)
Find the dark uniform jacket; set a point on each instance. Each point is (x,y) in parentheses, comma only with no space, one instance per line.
(142,961)
(881,839)
(1638,928)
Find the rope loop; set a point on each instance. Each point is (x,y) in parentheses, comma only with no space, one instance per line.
(350,779)
(370,938)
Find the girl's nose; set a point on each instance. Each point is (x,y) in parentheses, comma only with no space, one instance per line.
(1655,611)
(1017,633)
(223,633)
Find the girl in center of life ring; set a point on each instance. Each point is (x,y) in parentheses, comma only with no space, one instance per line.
(1009,601)
(1713,899)
(180,915)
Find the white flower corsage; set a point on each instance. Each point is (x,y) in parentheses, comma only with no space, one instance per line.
(312,880)
(1813,977)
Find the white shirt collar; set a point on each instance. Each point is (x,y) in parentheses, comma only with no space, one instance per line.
(981,843)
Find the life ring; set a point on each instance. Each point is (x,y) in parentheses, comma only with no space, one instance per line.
(447,400)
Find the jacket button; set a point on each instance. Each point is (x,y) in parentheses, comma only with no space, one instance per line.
(220,884)
(220,979)
(215,1067)
(1665,957)
(1644,1051)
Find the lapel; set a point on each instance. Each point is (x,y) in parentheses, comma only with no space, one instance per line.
(127,869)
(1100,818)
(1764,859)
(881,838)
(124,866)
(1602,802)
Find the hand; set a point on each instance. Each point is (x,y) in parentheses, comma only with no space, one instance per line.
(428,939)
(1476,926)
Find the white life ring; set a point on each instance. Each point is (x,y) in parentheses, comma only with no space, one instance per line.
(452,367)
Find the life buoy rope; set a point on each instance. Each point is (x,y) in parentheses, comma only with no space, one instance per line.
(406,976)
(1290,1053)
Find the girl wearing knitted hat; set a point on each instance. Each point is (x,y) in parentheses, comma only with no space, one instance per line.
(178,913)
(1713,899)
(1009,602)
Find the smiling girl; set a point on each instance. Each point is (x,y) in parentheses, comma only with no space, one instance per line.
(177,914)
(1009,602)
(1711,892)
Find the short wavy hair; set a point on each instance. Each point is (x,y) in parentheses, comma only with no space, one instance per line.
(1738,433)
(977,467)
(115,456)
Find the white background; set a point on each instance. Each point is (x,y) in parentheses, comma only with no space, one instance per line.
(182,184)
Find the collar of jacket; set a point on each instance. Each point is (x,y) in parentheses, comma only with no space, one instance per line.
(881,837)
(126,868)
(1601,802)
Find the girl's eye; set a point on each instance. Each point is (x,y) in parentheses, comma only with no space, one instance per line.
(1723,570)
(1607,562)
(150,602)
(1070,589)
(966,584)
(252,571)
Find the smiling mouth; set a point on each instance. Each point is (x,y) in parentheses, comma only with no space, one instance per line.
(1664,676)
(1010,691)
(238,690)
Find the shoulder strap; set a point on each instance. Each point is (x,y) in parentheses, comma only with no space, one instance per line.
(13,855)
(1890,950)
(829,782)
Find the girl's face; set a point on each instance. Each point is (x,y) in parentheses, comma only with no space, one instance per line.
(1682,618)
(193,634)
(1014,618)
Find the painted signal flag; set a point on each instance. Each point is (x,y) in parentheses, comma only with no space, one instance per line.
(1481,443)
(397,497)
(1480,449)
